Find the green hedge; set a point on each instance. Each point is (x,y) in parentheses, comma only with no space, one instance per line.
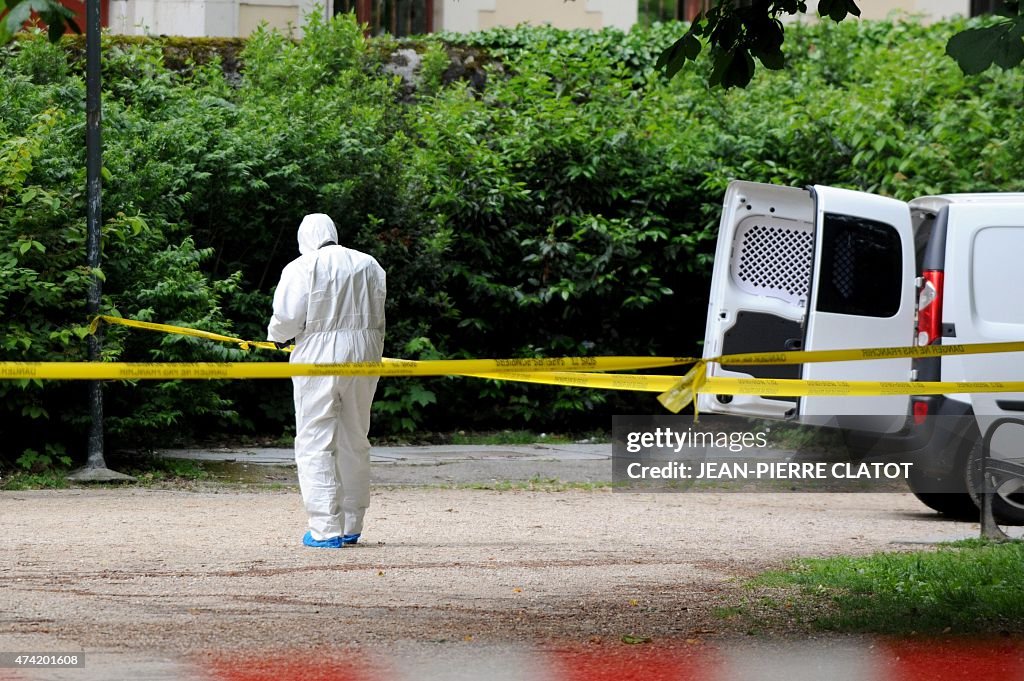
(564,204)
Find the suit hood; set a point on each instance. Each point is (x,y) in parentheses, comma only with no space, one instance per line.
(315,230)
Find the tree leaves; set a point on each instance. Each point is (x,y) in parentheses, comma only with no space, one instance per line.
(736,35)
(837,10)
(54,14)
(12,22)
(676,55)
(733,68)
(976,49)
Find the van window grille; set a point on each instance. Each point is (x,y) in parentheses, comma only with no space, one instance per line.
(773,259)
(843,265)
(861,267)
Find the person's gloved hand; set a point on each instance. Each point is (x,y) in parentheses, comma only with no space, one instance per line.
(281,345)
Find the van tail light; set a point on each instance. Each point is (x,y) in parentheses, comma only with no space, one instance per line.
(929,308)
(920,412)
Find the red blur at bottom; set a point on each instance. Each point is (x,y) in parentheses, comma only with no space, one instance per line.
(632,663)
(604,663)
(914,660)
(299,665)
(954,660)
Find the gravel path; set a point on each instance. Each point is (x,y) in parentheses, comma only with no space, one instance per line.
(182,572)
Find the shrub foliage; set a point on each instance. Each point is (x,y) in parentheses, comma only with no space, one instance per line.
(562,201)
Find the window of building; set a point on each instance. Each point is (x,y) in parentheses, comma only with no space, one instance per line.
(979,7)
(396,17)
(650,11)
(692,8)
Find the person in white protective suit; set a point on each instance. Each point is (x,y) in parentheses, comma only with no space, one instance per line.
(331,301)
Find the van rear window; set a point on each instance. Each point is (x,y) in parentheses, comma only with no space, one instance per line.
(861,267)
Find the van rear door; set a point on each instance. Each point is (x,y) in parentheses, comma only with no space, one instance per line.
(815,269)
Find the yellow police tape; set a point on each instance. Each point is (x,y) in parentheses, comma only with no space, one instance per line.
(727,385)
(395,367)
(134,371)
(675,392)
(183,331)
(853,355)
(695,381)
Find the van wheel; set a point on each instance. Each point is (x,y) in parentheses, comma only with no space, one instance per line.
(956,502)
(951,505)
(956,505)
(1007,502)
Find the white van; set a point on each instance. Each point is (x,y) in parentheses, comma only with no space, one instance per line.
(825,268)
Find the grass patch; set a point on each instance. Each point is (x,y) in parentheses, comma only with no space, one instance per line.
(146,469)
(11,482)
(503,437)
(971,586)
(149,469)
(728,612)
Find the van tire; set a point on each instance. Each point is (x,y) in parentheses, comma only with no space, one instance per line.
(956,505)
(952,505)
(1004,512)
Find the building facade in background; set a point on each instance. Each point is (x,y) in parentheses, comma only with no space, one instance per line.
(239,18)
(929,10)
(472,15)
(214,18)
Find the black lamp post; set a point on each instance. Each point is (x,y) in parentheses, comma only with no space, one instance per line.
(95,469)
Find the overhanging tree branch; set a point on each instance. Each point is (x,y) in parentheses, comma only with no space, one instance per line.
(56,16)
(736,32)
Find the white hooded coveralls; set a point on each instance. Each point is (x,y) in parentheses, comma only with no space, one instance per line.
(331,301)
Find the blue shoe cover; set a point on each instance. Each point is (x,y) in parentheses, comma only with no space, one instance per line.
(350,538)
(332,543)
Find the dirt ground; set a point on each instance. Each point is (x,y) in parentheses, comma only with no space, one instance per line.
(183,572)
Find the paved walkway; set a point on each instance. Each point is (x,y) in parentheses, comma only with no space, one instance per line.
(447,464)
(425,455)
